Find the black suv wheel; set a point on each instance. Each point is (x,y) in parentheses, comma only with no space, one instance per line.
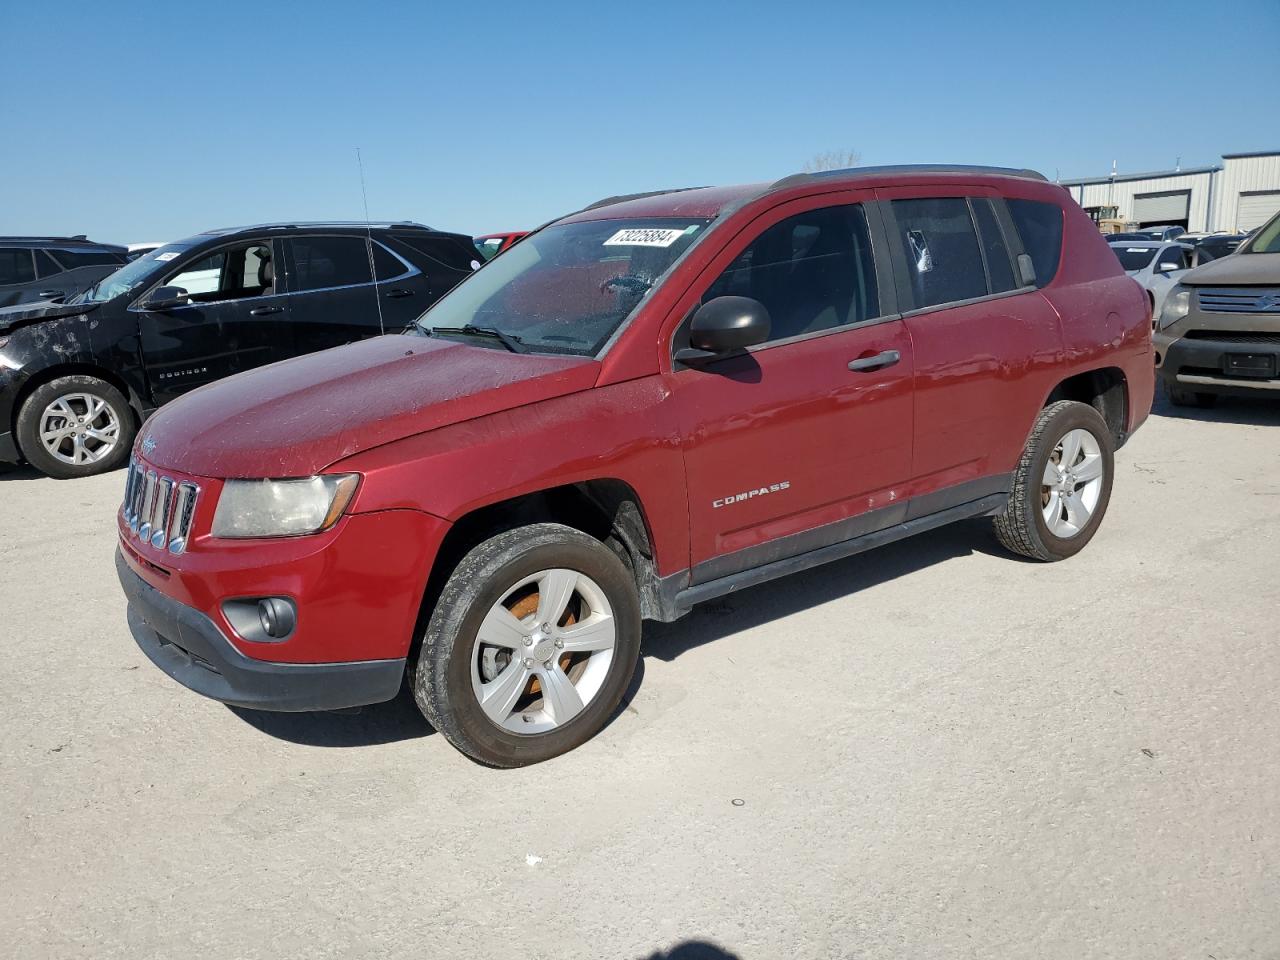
(75,426)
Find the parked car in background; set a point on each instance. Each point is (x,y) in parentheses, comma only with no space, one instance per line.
(492,244)
(137,250)
(1219,331)
(650,403)
(1213,246)
(1162,233)
(48,268)
(1154,264)
(78,377)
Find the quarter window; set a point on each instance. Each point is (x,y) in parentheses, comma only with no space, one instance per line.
(386,265)
(813,272)
(15,266)
(1040,226)
(321,262)
(938,238)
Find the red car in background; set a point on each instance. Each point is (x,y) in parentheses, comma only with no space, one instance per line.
(492,244)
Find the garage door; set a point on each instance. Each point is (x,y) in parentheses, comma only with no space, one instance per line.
(1161,207)
(1256,209)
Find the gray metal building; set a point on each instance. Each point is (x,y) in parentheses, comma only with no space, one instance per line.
(1237,195)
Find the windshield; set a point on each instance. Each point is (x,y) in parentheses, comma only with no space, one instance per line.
(132,276)
(1134,258)
(1268,239)
(568,288)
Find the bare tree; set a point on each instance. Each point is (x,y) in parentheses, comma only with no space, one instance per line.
(833,160)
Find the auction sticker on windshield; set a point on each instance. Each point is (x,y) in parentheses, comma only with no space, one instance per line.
(644,237)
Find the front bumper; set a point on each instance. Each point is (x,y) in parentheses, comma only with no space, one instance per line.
(190,648)
(1203,363)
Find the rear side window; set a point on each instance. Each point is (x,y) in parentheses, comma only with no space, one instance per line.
(454,254)
(46,266)
(813,271)
(321,262)
(994,249)
(387,265)
(15,266)
(87,258)
(1040,226)
(938,238)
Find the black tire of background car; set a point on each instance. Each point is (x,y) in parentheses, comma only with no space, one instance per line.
(1022,528)
(1189,398)
(441,678)
(28,426)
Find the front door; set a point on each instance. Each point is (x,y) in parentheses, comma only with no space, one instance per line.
(804,440)
(235,319)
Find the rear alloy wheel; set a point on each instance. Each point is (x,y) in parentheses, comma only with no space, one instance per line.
(1062,485)
(530,646)
(75,426)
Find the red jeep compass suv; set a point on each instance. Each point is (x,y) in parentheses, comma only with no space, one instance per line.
(649,403)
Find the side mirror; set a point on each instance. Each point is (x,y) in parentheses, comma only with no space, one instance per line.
(166,298)
(1026,271)
(724,325)
(1169,267)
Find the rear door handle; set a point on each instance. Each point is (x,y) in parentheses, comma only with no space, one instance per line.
(49,294)
(881,360)
(398,292)
(265,311)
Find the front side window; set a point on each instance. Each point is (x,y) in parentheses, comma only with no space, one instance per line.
(72,258)
(565,289)
(937,236)
(1040,226)
(233,273)
(15,266)
(322,262)
(813,271)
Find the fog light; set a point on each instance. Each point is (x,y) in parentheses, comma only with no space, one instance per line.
(276,616)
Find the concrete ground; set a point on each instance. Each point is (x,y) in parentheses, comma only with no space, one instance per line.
(934,750)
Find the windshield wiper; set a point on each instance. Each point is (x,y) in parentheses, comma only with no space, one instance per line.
(508,340)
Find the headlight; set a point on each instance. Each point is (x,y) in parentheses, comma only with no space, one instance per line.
(1176,306)
(282,508)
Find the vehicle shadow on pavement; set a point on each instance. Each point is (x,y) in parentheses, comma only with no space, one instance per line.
(781,598)
(18,471)
(389,722)
(693,950)
(1262,412)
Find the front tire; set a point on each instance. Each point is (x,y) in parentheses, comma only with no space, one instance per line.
(530,647)
(1062,485)
(1189,398)
(75,426)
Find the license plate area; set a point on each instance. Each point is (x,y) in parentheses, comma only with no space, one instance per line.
(1249,365)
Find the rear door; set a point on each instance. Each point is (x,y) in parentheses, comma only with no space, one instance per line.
(979,338)
(804,440)
(333,299)
(236,318)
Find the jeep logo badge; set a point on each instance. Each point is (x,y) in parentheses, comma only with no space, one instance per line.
(148,444)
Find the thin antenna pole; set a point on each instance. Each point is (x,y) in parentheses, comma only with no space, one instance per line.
(368,226)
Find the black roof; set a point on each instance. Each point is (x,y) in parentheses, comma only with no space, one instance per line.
(324,224)
(79,240)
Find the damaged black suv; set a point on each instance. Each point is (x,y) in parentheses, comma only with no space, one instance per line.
(78,377)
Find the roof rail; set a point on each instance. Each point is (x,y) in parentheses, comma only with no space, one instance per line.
(296,224)
(622,198)
(907,168)
(78,236)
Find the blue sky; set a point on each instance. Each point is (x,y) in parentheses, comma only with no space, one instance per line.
(147,121)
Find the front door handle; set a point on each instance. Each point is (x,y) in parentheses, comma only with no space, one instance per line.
(398,292)
(265,311)
(881,360)
(49,294)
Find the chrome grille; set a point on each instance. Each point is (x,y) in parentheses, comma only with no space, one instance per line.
(1239,299)
(159,509)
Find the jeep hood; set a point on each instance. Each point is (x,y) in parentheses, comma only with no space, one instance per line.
(1237,269)
(23,314)
(294,418)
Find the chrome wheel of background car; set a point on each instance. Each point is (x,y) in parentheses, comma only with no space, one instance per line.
(1072,483)
(543,651)
(79,428)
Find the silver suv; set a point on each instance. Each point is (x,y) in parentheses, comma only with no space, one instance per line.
(1219,330)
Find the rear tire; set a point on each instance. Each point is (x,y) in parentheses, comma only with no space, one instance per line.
(75,426)
(502,655)
(1062,485)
